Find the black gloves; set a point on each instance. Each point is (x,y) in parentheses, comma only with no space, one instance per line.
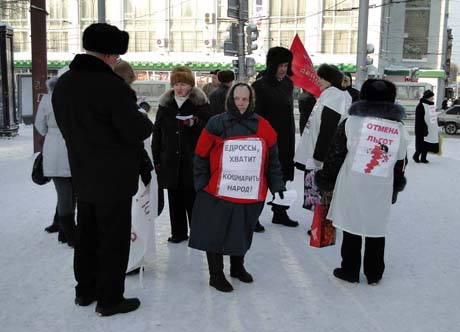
(145,168)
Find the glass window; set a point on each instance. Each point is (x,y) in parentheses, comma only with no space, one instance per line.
(416,92)
(402,92)
(416,29)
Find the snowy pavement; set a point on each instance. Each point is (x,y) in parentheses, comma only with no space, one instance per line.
(294,289)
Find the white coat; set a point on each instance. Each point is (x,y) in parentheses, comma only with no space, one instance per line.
(361,200)
(55,158)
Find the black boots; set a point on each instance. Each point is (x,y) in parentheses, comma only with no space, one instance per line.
(127,305)
(67,224)
(216,272)
(177,239)
(54,227)
(422,156)
(339,273)
(237,269)
(281,217)
(259,228)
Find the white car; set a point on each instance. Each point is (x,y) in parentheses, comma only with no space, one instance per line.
(450,119)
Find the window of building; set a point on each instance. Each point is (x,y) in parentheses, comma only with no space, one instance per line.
(416,29)
(340,26)
(287,17)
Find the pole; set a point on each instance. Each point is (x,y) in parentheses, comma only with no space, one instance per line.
(241,59)
(361,68)
(39,60)
(101,11)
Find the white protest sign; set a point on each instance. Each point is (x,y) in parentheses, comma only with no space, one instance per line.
(377,147)
(433,114)
(241,168)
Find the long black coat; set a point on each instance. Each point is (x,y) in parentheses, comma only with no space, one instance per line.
(421,129)
(173,142)
(217,99)
(274,101)
(97,114)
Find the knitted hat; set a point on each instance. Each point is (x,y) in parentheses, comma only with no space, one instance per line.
(330,73)
(105,38)
(124,69)
(214,72)
(225,76)
(275,57)
(182,74)
(428,94)
(378,90)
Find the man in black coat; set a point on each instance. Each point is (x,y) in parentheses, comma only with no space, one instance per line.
(306,103)
(275,102)
(217,98)
(97,114)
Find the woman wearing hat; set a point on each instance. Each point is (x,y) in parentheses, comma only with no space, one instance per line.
(426,128)
(365,168)
(330,108)
(182,114)
(236,160)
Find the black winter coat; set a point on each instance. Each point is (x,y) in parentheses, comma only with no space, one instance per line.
(274,101)
(173,142)
(97,114)
(217,99)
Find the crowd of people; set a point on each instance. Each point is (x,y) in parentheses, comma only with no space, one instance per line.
(217,151)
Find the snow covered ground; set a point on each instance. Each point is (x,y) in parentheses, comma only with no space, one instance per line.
(294,289)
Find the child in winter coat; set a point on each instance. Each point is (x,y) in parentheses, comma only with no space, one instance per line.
(364,168)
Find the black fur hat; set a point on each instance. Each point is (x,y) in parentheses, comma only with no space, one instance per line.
(225,76)
(105,38)
(428,94)
(378,90)
(276,56)
(330,73)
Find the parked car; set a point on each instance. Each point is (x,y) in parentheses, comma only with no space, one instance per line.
(450,119)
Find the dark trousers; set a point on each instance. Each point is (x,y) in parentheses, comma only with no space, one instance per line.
(101,255)
(65,196)
(420,154)
(374,250)
(180,207)
(216,263)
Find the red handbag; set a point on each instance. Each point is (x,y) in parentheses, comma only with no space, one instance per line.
(322,230)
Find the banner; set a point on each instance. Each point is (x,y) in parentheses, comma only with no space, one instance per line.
(304,73)
(241,168)
(377,147)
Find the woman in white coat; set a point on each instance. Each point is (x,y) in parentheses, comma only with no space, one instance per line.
(56,165)
(364,168)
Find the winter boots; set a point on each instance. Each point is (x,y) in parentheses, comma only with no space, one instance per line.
(67,233)
(54,227)
(237,269)
(127,305)
(216,272)
(340,274)
(259,228)
(281,217)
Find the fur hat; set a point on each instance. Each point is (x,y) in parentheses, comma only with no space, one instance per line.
(330,73)
(105,38)
(428,94)
(182,74)
(378,90)
(214,72)
(124,69)
(276,56)
(225,76)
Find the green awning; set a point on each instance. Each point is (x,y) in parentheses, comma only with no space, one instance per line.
(431,73)
(397,72)
(149,65)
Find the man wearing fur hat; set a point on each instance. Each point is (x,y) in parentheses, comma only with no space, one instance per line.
(217,98)
(274,101)
(97,114)
(182,114)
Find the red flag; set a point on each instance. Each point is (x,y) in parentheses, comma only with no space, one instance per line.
(304,74)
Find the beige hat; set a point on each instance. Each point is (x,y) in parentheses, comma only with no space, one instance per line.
(182,74)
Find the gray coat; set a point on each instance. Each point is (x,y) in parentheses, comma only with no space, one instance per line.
(219,225)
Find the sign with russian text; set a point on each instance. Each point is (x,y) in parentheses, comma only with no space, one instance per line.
(241,168)
(377,148)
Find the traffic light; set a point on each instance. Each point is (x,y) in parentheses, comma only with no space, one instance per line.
(250,67)
(231,44)
(252,33)
(209,18)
